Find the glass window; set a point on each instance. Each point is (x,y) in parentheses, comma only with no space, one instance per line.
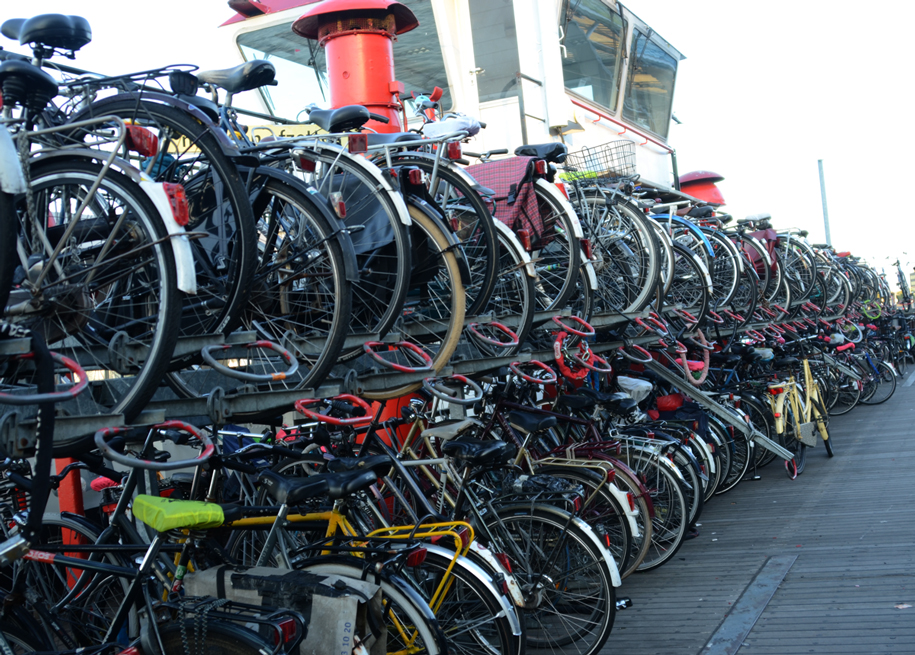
(495,48)
(650,87)
(301,68)
(594,43)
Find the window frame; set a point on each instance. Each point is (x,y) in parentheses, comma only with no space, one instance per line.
(649,35)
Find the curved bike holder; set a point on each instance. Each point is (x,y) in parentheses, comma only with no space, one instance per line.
(206,351)
(645,355)
(756,336)
(588,331)
(787,326)
(734,316)
(685,315)
(301,406)
(133,462)
(474,330)
(54,396)
(410,349)
(515,367)
(714,317)
(438,388)
(604,365)
(780,309)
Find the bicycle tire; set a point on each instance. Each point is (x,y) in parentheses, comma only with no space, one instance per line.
(472,619)
(557,254)
(845,393)
(822,422)
(792,443)
(102,304)
(226,257)
(691,287)
(885,385)
(519,527)
(436,320)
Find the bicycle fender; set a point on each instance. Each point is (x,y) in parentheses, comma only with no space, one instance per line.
(588,269)
(692,227)
(369,168)
(97,108)
(85,523)
(563,515)
(509,236)
(780,412)
(566,206)
(486,580)
(181,245)
(321,204)
(12,179)
(514,590)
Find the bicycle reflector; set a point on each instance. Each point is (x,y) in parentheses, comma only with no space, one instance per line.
(287,629)
(504,561)
(141,141)
(415,176)
(336,201)
(417,557)
(303,163)
(540,167)
(357,143)
(524,236)
(454,150)
(177,200)
(586,247)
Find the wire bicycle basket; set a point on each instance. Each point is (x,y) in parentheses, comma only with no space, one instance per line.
(609,162)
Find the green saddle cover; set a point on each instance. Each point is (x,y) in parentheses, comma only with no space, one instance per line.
(164,514)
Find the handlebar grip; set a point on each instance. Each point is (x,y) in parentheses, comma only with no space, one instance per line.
(379,118)
(238,466)
(346,408)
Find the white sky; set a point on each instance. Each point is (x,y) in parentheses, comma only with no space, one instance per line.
(767,89)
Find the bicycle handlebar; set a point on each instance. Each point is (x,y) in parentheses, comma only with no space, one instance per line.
(151,465)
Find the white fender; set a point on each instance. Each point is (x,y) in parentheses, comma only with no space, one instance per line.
(12,179)
(181,245)
(564,204)
(506,232)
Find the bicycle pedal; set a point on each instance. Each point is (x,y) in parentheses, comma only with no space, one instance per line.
(806,434)
(623,603)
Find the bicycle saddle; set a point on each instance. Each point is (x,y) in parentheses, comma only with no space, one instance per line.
(726,359)
(25,84)
(451,430)
(576,402)
(49,30)
(476,452)
(785,362)
(530,422)
(341,119)
(382,138)
(552,152)
(291,491)
(378,464)
(704,211)
(245,77)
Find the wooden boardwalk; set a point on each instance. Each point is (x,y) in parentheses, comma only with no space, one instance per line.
(850,523)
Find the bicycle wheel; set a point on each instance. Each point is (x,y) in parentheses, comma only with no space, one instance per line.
(725,268)
(110,299)
(220,213)
(433,313)
(625,253)
(760,416)
(205,636)
(469,220)
(411,626)
(300,295)
(790,441)
(557,254)
(671,512)
(378,222)
(472,619)
(691,287)
(558,560)
(884,385)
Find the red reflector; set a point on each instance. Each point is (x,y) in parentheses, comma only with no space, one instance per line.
(177,200)
(416,176)
(586,246)
(504,561)
(776,390)
(464,534)
(130,651)
(607,539)
(631,500)
(562,187)
(454,150)
(287,631)
(393,173)
(358,142)
(336,201)
(304,164)
(577,503)
(417,557)
(777,415)
(141,141)
(524,236)
(540,166)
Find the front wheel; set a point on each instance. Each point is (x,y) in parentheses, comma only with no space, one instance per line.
(822,420)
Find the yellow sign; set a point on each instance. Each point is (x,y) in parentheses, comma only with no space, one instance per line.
(182,145)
